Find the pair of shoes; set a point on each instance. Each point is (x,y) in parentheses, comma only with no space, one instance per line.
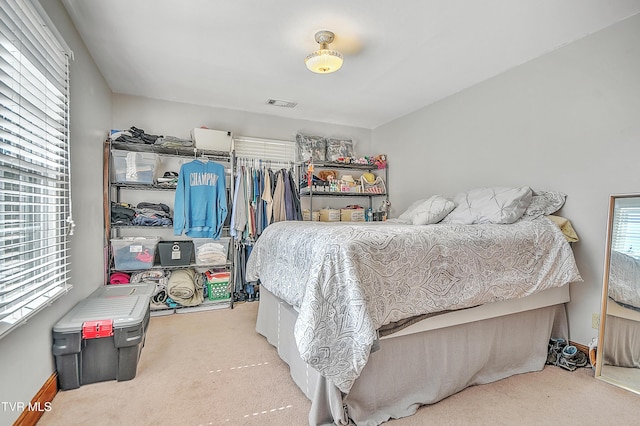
(571,358)
(554,352)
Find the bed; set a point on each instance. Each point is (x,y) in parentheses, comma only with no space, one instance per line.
(377,319)
(624,280)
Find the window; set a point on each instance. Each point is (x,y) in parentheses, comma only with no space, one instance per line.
(276,151)
(625,235)
(35,193)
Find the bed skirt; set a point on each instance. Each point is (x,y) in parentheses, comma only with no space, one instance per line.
(414,369)
(622,336)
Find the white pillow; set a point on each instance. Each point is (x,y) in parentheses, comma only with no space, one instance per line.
(405,217)
(432,210)
(490,205)
(544,203)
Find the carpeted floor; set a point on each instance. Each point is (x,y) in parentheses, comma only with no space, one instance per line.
(212,368)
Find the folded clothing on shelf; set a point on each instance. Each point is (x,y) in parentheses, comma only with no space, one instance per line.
(211,252)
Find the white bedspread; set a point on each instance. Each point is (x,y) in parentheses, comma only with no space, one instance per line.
(624,279)
(349,279)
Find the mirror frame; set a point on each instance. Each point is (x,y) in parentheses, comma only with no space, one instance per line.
(605,296)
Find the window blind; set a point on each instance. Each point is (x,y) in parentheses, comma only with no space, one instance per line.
(625,233)
(35,193)
(277,151)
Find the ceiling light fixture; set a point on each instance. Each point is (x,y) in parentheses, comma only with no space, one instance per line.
(324,60)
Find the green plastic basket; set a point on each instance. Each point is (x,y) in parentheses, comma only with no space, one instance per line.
(218,290)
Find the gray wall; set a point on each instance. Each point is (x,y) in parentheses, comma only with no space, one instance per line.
(25,354)
(567,121)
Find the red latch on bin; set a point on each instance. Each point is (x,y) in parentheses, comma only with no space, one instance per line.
(96,329)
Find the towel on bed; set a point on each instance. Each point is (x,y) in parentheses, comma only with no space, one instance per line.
(566,228)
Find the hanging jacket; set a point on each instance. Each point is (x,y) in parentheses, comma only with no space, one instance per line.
(295,198)
(279,209)
(238,216)
(267,197)
(288,196)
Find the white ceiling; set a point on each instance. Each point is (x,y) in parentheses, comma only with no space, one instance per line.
(398,55)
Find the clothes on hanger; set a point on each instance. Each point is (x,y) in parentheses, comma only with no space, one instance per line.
(200,206)
(263,196)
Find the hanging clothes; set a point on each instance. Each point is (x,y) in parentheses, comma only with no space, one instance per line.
(261,198)
(200,206)
(236,216)
(295,198)
(267,198)
(250,229)
(257,197)
(279,209)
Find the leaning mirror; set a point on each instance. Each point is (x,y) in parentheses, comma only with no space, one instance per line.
(618,353)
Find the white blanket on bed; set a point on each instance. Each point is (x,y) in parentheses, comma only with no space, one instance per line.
(349,279)
(624,279)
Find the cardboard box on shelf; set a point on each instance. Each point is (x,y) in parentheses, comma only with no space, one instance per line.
(352,215)
(210,139)
(329,215)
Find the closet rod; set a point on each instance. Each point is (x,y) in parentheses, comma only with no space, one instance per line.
(215,157)
(259,162)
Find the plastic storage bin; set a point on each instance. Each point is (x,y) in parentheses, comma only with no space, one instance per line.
(175,253)
(101,338)
(210,252)
(135,167)
(134,253)
(218,285)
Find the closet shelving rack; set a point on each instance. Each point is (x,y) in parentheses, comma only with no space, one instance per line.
(113,191)
(309,193)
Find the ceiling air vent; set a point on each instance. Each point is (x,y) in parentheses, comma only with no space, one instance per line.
(283,104)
